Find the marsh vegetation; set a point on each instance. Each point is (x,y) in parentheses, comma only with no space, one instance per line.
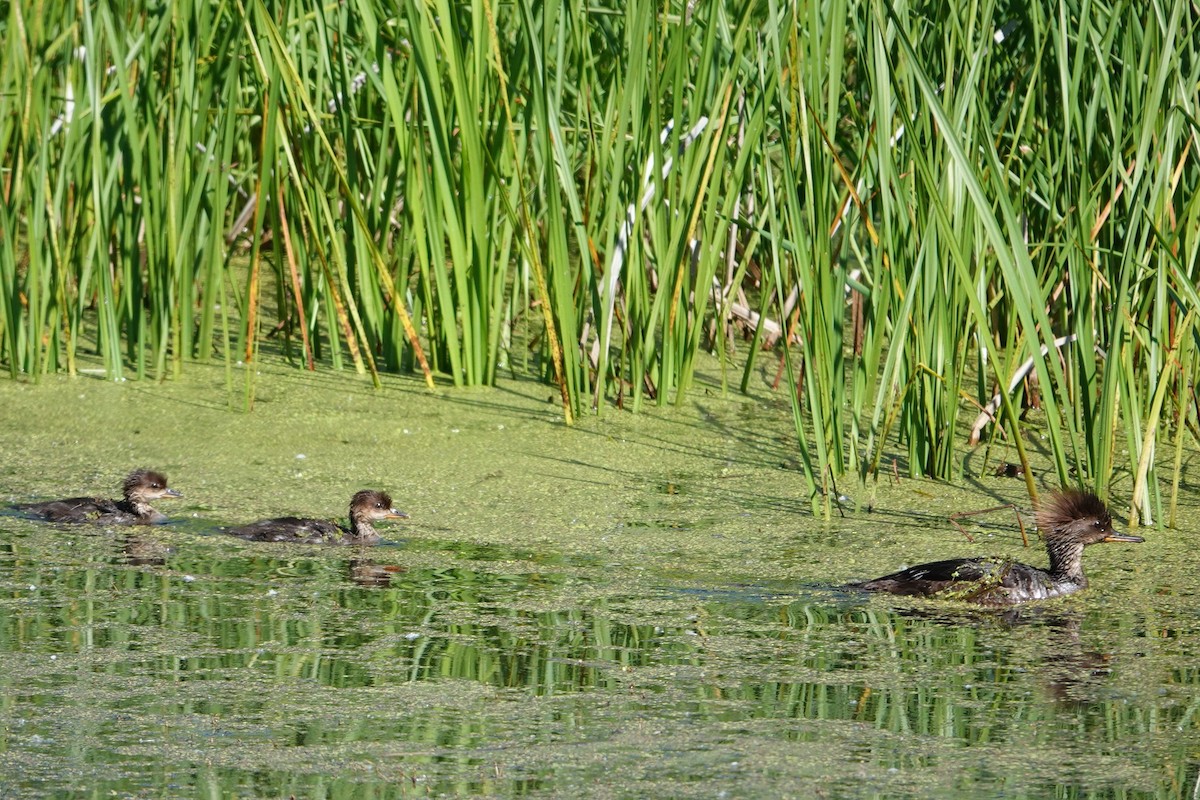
(911,215)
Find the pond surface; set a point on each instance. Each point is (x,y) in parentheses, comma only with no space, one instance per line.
(640,606)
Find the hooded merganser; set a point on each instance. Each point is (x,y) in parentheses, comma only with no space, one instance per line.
(140,488)
(1070,520)
(366,507)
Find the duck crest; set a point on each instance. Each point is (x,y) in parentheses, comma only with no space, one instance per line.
(1064,507)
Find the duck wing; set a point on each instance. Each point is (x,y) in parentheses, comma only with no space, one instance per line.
(290,529)
(936,576)
(72,509)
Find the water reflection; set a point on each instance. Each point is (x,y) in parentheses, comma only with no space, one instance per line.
(277,671)
(141,550)
(367,573)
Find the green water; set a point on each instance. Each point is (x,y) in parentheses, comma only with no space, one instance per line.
(640,606)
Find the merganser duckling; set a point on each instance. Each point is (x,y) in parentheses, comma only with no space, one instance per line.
(141,487)
(366,507)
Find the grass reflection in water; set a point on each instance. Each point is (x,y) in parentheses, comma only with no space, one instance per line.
(278,671)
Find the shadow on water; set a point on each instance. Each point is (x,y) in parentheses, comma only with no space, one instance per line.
(457,668)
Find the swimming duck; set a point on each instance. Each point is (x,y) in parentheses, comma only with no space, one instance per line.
(366,507)
(141,487)
(1070,520)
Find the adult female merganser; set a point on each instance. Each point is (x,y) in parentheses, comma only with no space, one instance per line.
(1070,520)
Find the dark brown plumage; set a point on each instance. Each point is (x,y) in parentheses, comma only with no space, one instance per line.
(141,487)
(366,507)
(1070,520)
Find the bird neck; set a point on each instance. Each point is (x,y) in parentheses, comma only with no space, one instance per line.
(138,506)
(1066,560)
(361,528)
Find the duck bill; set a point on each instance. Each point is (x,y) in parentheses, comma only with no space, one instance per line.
(172,493)
(396,514)
(1122,537)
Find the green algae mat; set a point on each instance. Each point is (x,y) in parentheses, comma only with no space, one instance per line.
(637,606)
